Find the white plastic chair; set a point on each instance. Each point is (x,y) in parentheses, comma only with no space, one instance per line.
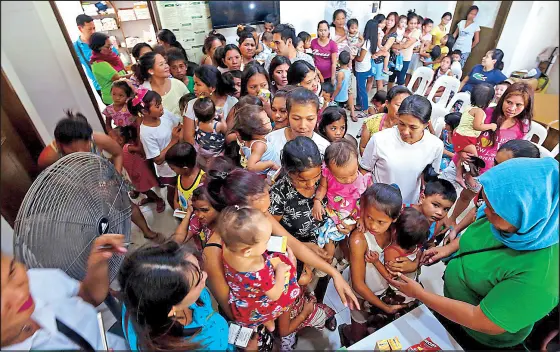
(465,97)
(537,130)
(451,84)
(425,75)
(544,152)
(438,118)
(554,151)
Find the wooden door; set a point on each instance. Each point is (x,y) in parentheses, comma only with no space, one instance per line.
(21,146)
(489,35)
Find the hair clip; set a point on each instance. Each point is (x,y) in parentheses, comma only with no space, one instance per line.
(222,174)
(139,96)
(236,207)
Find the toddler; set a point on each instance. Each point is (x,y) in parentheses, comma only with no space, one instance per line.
(306,39)
(411,230)
(444,69)
(378,102)
(278,107)
(451,122)
(343,185)
(267,47)
(299,45)
(262,284)
(210,133)
(429,58)
(456,68)
(355,39)
(444,49)
(471,126)
(434,203)
(181,158)
(499,90)
(137,167)
(118,111)
(401,30)
(159,131)
(343,79)
(251,126)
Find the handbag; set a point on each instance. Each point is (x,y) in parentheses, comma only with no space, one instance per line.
(399,62)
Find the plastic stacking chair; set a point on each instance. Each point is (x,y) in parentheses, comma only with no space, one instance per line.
(425,75)
(537,130)
(451,84)
(438,118)
(464,97)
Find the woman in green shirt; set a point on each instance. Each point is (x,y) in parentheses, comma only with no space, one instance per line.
(504,276)
(106,66)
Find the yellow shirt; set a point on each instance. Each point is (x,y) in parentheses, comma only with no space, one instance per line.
(373,123)
(185,194)
(437,34)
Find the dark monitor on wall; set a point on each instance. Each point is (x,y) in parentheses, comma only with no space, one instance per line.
(231,13)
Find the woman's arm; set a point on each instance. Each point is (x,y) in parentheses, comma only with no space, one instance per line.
(334,60)
(462,313)
(361,57)
(456,33)
(188,132)
(318,209)
(107,143)
(216,281)
(476,39)
(309,257)
(95,286)
(364,138)
(464,81)
(410,41)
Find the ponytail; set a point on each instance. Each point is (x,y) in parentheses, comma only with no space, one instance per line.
(166,36)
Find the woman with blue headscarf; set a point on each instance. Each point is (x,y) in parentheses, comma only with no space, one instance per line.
(504,276)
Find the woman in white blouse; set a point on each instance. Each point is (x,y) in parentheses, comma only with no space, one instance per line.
(399,154)
(45,309)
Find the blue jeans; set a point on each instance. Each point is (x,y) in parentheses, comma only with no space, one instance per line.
(361,81)
(464,57)
(402,73)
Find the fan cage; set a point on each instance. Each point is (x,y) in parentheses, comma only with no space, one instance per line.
(61,213)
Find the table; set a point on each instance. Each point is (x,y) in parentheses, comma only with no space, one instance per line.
(411,328)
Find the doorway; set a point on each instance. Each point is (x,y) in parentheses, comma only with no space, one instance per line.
(21,146)
(491,18)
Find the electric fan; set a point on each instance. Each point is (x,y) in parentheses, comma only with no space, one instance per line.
(70,204)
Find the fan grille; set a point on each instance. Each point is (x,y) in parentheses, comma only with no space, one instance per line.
(61,214)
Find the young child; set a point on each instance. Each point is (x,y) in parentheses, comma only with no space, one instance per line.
(411,231)
(342,184)
(137,167)
(333,126)
(159,131)
(181,158)
(499,90)
(262,284)
(456,68)
(401,29)
(278,107)
(471,126)
(266,41)
(451,122)
(251,126)
(306,39)
(434,203)
(355,39)
(444,49)
(201,220)
(326,99)
(378,102)
(209,134)
(235,77)
(443,70)
(179,68)
(118,111)
(343,79)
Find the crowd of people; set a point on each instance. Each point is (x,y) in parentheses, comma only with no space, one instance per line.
(252,143)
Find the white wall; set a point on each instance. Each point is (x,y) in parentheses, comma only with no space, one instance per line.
(39,64)
(530,28)
(7,237)
(429,9)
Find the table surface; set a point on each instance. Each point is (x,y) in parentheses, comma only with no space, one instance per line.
(546,109)
(411,328)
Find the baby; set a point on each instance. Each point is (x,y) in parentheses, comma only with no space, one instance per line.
(262,285)
(355,40)
(267,44)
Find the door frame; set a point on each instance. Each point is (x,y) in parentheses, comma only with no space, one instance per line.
(78,64)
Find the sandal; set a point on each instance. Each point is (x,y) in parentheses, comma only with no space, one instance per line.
(331,323)
(160,205)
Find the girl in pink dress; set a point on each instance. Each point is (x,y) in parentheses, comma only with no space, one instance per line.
(136,166)
(343,185)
